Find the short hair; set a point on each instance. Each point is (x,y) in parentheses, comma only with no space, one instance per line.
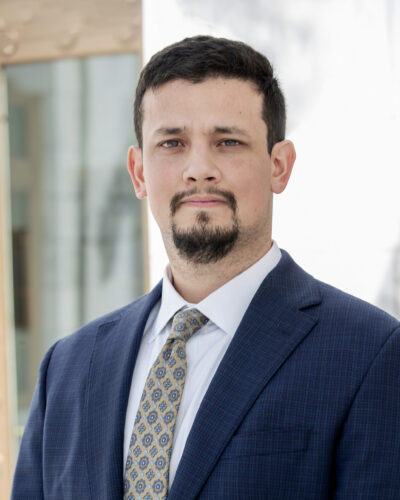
(202,57)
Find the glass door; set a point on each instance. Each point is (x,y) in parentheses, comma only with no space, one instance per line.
(77,228)
(72,235)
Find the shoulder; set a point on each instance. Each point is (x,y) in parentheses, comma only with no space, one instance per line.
(352,330)
(339,315)
(85,332)
(349,310)
(84,338)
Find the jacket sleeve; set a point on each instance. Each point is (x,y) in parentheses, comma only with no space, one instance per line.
(28,477)
(368,453)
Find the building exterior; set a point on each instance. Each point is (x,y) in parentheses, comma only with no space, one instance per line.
(72,234)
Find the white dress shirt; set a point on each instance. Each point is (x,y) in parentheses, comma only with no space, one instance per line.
(225,308)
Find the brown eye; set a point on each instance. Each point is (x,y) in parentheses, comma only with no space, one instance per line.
(230,142)
(172,143)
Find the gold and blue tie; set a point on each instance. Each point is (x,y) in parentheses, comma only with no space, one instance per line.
(150,448)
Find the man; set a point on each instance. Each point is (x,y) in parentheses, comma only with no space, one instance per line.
(239,376)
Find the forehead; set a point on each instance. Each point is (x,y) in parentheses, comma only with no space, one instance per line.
(213,99)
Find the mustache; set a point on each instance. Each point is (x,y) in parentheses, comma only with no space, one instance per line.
(228,196)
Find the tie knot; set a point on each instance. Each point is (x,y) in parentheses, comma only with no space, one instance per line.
(186,323)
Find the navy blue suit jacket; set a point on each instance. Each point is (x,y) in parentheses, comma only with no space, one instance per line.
(304,405)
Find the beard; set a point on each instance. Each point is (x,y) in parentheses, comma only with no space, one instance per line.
(203,243)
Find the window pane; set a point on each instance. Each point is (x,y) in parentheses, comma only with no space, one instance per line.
(76,224)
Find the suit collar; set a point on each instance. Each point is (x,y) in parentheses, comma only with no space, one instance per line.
(217,306)
(277,320)
(109,380)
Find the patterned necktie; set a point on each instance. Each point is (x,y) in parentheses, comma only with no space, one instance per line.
(150,448)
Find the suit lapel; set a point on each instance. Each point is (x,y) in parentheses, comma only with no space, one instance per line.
(271,329)
(110,374)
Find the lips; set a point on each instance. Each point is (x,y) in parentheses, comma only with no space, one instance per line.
(212,198)
(199,201)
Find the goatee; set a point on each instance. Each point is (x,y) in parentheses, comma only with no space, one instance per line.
(203,244)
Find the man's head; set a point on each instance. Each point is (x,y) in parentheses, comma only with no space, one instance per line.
(202,57)
(204,160)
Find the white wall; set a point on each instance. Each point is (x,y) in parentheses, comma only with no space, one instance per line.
(339,65)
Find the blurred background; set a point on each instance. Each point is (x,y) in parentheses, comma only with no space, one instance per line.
(74,241)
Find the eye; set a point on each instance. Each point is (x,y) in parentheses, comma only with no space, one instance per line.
(230,142)
(171,143)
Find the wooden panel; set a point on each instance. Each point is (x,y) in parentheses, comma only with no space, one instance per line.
(52,29)
(5,318)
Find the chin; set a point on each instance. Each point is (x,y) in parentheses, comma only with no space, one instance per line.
(203,242)
(203,219)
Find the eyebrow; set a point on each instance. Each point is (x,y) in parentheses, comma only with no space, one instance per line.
(216,130)
(169,131)
(229,130)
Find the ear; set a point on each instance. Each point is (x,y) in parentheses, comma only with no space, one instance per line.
(135,168)
(283,156)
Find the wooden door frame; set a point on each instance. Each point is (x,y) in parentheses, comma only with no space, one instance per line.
(6,313)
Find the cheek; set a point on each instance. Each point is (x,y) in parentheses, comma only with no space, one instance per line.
(159,193)
(255,201)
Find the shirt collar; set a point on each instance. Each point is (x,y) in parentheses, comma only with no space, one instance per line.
(217,306)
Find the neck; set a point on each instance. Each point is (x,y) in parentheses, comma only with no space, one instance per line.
(194,282)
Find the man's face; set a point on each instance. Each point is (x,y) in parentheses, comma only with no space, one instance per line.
(205,166)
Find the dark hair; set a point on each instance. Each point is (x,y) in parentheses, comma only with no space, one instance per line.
(201,57)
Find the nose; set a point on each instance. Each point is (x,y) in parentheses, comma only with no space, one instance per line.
(200,167)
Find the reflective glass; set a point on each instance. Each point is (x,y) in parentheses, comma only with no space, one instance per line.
(77,232)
